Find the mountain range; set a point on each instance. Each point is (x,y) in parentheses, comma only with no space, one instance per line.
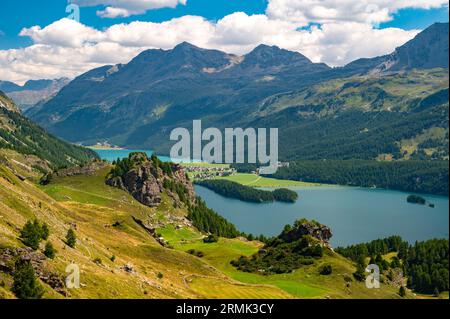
(33,91)
(368,109)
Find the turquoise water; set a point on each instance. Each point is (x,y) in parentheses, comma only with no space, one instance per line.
(112,155)
(355,215)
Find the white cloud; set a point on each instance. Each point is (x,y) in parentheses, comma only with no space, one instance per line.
(326,11)
(112,12)
(64,32)
(68,48)
(126,8)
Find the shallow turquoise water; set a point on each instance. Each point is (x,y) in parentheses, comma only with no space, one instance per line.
(354,214)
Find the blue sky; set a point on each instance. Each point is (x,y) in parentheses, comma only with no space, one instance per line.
(17,14)
(114,31)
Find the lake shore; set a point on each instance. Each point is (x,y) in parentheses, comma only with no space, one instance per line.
(106,148)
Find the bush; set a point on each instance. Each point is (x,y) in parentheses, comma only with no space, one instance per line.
(160,275)
(49,250)
(211,239)
(71,238)
(326,270)
(25,284)
(113,258)
(196,253)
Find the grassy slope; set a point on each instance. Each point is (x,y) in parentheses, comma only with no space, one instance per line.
(93,206)
(401,89)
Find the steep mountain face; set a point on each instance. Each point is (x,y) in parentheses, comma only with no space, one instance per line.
(137,105)
(20,134)
(429,49)
(7,103)
(33,91)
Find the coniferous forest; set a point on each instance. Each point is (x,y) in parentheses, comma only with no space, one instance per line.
(28,138)
(410,176)
(426,264)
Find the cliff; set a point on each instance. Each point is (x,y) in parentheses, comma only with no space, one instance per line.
(147,178)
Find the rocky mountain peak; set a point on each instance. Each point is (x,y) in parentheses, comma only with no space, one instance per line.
(265,56)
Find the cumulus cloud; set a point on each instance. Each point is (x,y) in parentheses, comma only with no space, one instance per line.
(126,8)
(326,11)
(68,48)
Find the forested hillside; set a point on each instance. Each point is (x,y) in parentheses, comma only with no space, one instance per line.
(20,134)
(410,176)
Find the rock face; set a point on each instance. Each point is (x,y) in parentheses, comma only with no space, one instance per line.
(308,228)
(8,257)
(145,180)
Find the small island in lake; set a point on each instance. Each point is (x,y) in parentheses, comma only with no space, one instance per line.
(249,194)
(415,199)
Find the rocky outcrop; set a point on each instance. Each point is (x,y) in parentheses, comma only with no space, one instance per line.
(86,170)
(141,183)
(146,179)
(308,228)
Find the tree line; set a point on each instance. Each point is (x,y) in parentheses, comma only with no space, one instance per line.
(248,194)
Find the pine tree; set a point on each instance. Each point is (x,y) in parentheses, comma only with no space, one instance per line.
(45,231)
(71,238)
(49,250)
(25,284)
